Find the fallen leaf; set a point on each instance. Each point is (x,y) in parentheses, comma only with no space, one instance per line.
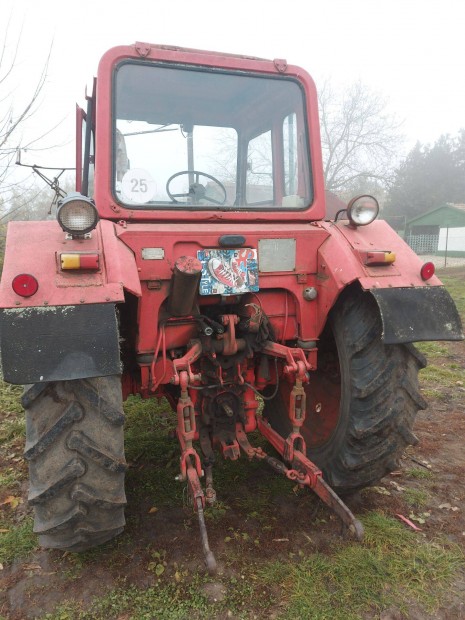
(380,490)
(4,531)
(32,566)
(397,487)
(417,519)
(153,510)
(448,506)
(12,501)
(159,570)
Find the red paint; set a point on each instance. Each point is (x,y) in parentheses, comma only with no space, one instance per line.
(89,261)
(25,285)
(427,271)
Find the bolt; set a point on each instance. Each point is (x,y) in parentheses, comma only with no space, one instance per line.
(310,293)
(228,410)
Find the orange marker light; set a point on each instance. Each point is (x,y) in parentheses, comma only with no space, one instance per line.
(77,260)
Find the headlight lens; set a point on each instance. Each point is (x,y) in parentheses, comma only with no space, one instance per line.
(362,210)
(77,214)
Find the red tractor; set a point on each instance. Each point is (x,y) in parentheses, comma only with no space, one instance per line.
(195,262)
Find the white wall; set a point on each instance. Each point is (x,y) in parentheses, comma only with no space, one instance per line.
(455,240)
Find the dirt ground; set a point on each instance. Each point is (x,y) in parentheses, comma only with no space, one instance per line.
(167,535)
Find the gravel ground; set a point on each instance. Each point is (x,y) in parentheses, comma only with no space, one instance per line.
(440,262)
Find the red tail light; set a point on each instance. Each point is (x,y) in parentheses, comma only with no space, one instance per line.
(25,285)
(427,271)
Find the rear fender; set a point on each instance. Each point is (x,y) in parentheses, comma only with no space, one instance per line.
(68,329)
(35,248)
(411,309)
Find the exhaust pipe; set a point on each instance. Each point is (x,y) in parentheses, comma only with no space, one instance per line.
(184,285)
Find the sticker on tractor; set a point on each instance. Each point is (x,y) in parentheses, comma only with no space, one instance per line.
(228,272)
(138,186)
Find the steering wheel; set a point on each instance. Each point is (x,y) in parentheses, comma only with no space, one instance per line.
(197,191)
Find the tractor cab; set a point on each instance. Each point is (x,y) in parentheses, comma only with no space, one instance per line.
(182,138)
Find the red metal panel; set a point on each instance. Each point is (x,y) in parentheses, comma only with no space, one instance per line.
(340,262)
(184,240)
(34,248)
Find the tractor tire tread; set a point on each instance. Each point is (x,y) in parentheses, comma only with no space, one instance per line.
(75,449)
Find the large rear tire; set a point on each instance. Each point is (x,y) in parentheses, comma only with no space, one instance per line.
(361,403)
(75,449)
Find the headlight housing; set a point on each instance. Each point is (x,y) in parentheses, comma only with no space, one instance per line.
(362,210)
(77,214)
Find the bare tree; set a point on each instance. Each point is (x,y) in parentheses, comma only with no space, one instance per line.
(11,117)
(360,139)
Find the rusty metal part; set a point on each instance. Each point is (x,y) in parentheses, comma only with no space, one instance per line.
(306,473)
(207,552)
(210,493)
(184,285)
(198,501)
(297,362)
(229,339)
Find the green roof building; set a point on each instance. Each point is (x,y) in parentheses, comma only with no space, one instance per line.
(440,231)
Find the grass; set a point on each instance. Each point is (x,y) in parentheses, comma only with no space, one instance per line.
(446,375)
(16,540)
(416,498)
(456,287)
(420,473)
(432,349)
(392,567)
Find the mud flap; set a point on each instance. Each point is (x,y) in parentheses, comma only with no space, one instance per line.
(416,314)
(58,343)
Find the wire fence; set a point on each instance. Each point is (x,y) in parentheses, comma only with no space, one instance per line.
(445,249)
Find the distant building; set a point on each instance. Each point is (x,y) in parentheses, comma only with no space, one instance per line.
(439,231)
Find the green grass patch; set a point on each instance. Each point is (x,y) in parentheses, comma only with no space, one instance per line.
(10,478)
(442,376)
(12,422)
(10,398)
(17,541)
(432,349)
(391,567)
(456,287)
(170,601)
(12,429)
(420,474)
(416,498)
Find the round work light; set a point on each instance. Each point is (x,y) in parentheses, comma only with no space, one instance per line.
(362,210)
(77,214)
